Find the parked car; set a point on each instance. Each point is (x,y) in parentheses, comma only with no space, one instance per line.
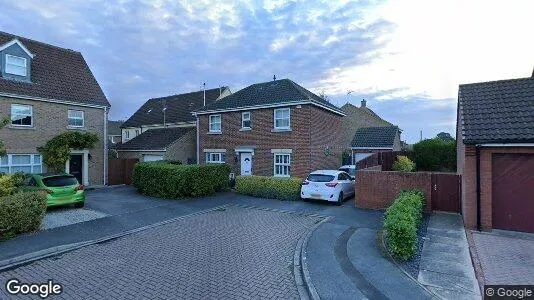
(329,185)
(62,189)
(349,169)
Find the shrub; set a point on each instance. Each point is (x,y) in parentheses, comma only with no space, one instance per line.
(403,164)
(435,155)
(7,185)
(401,221)
(19,178)
(21,212)
(162,179)
(269,187)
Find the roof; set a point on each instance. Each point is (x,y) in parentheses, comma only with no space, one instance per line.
(56,73)
(271,93)
(375,137)
(155,139)
(497,111)
(356,118)
(179,108)
(114,127)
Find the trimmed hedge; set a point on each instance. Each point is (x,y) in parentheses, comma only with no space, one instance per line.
(165,180)
(269,187)
(401,221)
(21,212)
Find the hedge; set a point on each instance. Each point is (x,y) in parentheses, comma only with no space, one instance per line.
(166,180)
(269,187)
(21,212)
(435,155)
(401,221)
(403,164)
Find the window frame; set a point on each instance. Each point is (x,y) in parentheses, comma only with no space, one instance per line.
(212,123)
(30,115)
(17,57)
(282,165)
(288,127)
(127,134)
(34,167)
(243,120)
(76,118)
(221,158)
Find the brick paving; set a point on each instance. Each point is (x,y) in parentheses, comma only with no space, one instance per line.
(232,253)
(505,259)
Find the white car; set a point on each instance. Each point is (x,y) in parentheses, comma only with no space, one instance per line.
(329,185)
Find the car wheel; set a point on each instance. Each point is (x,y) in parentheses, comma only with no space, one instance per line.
(79,205)
(340,199)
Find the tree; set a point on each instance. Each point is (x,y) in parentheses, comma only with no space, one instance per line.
(435,155)
(3,123)
(445,136)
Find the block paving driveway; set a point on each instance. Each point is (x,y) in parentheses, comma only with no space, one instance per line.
(228,253)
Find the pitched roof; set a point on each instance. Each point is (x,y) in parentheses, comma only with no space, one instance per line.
(114,127)
(179,108)
(497,111)
(155,139)
(375,137)
(356,118)
(269,93)
(56,73)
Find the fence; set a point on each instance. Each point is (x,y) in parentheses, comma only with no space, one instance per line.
(385,159)
(120,170)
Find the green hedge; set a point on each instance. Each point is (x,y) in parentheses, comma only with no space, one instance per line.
(269,187)
(21,212)
(165,180)
(435,155)
(401,221)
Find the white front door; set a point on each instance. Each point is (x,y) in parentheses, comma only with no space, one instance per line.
(246,163)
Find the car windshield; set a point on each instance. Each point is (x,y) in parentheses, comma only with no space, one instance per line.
(320,178)
(351,171)
(56,181)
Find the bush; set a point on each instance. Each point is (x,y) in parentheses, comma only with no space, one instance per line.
(269,187)
(435,155)
(21,212)
(7,185)
(165,180)
(401,221)
(403,164)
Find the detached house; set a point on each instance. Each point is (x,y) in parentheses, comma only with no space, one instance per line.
(275,128)
(46,90)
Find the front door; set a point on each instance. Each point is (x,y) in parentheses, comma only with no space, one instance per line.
(246,163)
(76,166)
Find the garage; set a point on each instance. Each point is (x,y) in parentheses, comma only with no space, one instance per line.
(513,192)
(152,157)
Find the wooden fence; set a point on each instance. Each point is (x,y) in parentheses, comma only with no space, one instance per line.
(120,170)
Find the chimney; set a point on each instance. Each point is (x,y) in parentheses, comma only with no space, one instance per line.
(204,94)
(364,103)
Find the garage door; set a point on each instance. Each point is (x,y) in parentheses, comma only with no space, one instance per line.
(513,192)
(150,157)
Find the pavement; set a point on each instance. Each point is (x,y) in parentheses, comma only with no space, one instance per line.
(506,257)
(446,268)
(222,246)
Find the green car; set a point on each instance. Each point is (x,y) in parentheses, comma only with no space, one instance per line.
(62,189)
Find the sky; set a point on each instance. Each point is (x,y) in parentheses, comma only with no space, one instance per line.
(406,58)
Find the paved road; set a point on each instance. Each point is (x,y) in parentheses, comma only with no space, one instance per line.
(232,253)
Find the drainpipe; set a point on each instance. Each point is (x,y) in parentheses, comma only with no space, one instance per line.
(198,140)
(105,145)
(478,186)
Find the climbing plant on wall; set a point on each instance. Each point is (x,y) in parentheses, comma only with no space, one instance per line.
(56,152)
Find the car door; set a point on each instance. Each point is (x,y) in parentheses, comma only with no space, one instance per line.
(348,187)
(343,182)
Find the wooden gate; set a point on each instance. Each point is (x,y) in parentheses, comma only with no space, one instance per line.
(446,192)
(120,170)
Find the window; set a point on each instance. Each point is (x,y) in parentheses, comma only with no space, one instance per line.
(320,178)
(215,123)
(27,163)
(136,132)
(282,118)
(21,115)
(282,165)
(343,176)
(126,134)
(245,120)
(76,118)
(16,65)
(215,157)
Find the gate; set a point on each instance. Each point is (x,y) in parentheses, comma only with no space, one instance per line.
(120,170)
(446,192)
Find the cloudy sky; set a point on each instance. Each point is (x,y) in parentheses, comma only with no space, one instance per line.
(405,57)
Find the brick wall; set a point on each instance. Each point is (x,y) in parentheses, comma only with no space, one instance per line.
(50,119)
(312,130)
(184,149)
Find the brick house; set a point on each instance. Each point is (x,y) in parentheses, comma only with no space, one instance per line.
(275,128)
(163,128)
(46,90)
(495,134)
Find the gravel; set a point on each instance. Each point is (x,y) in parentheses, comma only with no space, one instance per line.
(68,216)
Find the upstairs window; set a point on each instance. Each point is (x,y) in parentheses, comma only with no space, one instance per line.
(76,118)
(16,65)
(245,120)
(126,134)
(21,115)
(215,123)
(136,132)
(282,119)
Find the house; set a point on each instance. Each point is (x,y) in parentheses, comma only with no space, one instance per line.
(495,147)
(46,90)
(165,114)
(369,140)
(275,128)
(114,133)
